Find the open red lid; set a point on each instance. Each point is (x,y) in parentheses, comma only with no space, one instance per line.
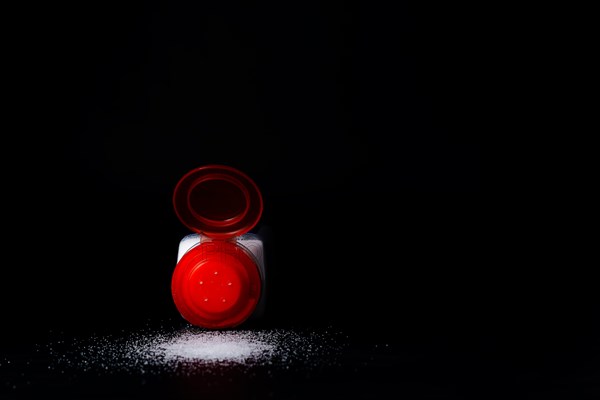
(218,201)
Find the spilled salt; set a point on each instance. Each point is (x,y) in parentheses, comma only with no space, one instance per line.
(232,347)
(192,350)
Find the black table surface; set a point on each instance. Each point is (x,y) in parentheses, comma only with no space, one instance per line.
(378,362)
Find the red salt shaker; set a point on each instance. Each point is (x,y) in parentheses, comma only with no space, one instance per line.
(219,278)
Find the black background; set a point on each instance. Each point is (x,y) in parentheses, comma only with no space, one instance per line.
(361,123)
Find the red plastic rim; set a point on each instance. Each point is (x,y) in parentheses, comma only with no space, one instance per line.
(218,201)
(216,285)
